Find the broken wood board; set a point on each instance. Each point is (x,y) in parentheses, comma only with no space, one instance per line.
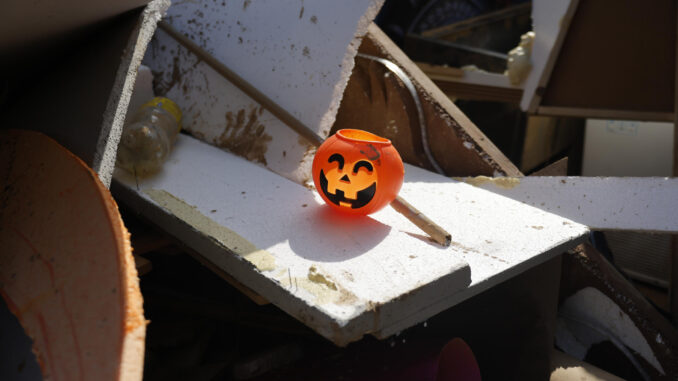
(644,204)
(343,277)
(66,269)
(376,101)
(300,55)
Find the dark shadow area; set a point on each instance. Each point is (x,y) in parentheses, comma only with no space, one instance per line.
(17,361)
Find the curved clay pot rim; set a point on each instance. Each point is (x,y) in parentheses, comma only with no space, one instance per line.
(360,136)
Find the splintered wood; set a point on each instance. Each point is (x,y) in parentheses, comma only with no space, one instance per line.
(342,276)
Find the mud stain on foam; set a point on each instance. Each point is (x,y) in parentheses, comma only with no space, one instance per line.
(244,135)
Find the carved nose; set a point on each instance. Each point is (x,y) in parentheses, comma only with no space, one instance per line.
(345,179)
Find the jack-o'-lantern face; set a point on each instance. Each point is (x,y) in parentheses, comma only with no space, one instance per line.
(349,184)
(357,172)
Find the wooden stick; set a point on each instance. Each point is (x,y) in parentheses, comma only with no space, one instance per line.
(436,232)
(424,223)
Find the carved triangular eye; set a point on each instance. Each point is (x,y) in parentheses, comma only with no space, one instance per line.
(338,158)
(362,164)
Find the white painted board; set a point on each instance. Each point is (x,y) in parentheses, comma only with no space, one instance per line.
(342,276)
(299,54)
(547,17)
(644,204)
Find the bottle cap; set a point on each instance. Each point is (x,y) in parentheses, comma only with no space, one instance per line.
(167,105)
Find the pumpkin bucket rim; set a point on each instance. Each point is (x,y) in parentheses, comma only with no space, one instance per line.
(360,136)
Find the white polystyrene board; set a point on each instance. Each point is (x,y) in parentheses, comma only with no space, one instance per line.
(299,54)
(645,204)
(214,109)
(547,16)
(627,148)
(396,276)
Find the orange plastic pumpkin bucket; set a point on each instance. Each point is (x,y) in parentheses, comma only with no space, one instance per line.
(357,172)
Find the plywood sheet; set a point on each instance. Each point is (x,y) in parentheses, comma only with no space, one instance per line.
(549,19)
(620,60)
(343,277)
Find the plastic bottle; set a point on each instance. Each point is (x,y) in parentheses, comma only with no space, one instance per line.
(148,136)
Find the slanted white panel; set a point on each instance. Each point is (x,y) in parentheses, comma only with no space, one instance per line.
(299,54)
(217,112)
(603,203)
(344,276)
(547,16)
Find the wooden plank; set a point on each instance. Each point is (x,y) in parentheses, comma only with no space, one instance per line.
(579,112)
(439,70)
(551,21)
(298,55)
(342,277)
(645,204)
(597,66)
(472,85)
(456,143)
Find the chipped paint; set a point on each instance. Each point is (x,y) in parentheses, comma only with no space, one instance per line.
(316,277)
(501,182)
(230,240)
(319,285)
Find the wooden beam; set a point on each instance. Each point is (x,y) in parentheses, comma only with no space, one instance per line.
(472,85)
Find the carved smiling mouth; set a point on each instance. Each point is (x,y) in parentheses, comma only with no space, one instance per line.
(363,197)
